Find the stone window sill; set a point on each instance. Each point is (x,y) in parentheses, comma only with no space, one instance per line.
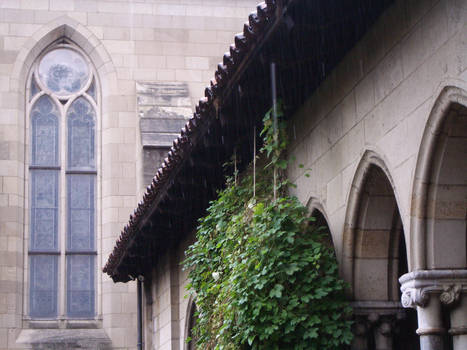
(62,323)
(64,339)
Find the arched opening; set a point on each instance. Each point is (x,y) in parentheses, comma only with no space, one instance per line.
(378,239)
(321,224)
(190,338)
(379,259)
(439,197)
(446,204)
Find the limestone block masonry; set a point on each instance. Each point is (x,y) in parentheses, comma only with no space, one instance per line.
(396,103)
(353,121)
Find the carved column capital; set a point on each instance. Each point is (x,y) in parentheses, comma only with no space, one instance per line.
(413,297)
(450,295)
(418,286)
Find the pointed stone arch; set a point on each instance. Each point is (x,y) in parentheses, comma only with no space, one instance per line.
(374,257)
(190,320)
(368,163)
(449,108)
(63,26)
(317,210)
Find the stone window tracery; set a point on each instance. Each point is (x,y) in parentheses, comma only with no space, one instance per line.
(62,105)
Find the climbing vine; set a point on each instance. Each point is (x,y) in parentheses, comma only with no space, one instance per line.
(260,269)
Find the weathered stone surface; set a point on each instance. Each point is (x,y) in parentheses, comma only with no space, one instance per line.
(156,139)
(171,94)
(164,112)
(161,124)
(163,109)
(59,339)
(152,160)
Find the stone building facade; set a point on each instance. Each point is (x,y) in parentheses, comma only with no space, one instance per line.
(384,134)
(151,60)
(386,141)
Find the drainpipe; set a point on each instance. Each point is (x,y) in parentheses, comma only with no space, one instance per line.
(274,117)
(140,280)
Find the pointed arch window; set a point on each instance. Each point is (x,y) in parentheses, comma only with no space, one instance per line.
(62,107)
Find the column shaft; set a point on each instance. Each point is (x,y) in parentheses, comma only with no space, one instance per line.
(459,324)
(430,325)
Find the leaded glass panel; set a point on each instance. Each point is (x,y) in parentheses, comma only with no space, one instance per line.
(44,123)
(63,71)
(44,210)
(80,285)
(80,192)
(43,280)
(80,118)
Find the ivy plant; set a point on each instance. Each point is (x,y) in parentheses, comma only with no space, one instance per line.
(260,269)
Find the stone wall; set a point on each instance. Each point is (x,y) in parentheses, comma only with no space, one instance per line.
(166,314)
(378,100)
(128,41)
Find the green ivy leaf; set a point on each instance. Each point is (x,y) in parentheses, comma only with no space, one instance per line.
(276,291)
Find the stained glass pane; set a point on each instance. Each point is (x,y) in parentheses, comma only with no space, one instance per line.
(92,90)
(44,124)
(43,281)
(80,118)
(34,89)
(63,71)
(80,191)
(80,285)
(44,210)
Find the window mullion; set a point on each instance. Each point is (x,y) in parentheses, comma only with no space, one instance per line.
(63,216)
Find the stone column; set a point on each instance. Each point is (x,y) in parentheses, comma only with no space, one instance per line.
(384,332)
(375,323)
(427,291)
(360,330)
(430,324)
(453,298)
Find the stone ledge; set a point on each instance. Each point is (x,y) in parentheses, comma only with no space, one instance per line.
(58,339)
(376,307)
(158,140)
(431,276)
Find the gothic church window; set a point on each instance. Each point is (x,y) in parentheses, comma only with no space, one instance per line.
(62,116)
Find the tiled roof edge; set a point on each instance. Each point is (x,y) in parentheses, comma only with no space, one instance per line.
(244,43)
